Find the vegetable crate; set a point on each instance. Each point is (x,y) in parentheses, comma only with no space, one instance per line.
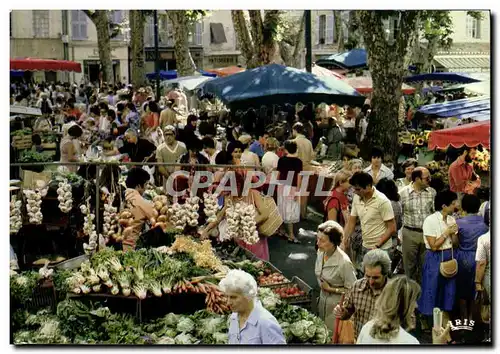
(22,141)
(268,265)
(44,295)
(295,292)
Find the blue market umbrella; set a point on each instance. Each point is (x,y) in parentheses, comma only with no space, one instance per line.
(447,77)
(172,74)
(352,59)
(278,84)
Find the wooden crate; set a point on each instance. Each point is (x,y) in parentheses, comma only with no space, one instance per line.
(22,141)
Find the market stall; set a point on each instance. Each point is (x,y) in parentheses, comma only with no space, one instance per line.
(470,135)
(278,84)
(364,85)
(33,64)
(227,71)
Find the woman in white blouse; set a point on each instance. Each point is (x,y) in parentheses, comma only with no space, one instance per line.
(440,236)
(394,316)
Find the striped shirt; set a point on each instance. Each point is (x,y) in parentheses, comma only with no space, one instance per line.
(416,205)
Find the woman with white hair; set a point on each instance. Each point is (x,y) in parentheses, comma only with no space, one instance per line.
(250,322)
(394,316)
(334,270)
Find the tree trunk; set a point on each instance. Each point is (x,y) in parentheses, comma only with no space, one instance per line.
(268,48)
(244,40)
(299,43)
(388,63)
(101,22)
(137,20)
(180,24)
(339,30)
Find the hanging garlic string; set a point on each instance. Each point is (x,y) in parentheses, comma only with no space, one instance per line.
(65,196)
(16,221)
(89,228)
(34,205)
(211,207)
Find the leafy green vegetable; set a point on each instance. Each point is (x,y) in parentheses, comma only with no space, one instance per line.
(22,286)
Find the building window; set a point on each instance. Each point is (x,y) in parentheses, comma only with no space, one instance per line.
(116,17)
(217,34)
(195,37)
(165,31)
(78,25)
(322,29)
(149,32)
(41,23)
(473,27)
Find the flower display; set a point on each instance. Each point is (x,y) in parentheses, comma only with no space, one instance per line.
(481,160)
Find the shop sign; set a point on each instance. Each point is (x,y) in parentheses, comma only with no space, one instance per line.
(223,60)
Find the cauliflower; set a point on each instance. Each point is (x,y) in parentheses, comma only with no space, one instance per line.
(268,298)
(185,325)
(166,341)
(303,330)
(184,338)
(220,338)
(212,325)
(171,319)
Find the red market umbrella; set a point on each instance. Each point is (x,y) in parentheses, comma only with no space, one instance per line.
(222,72)
(32,64)
(471,135)
(364,84)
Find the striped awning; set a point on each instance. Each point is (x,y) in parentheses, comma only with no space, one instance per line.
(463,62)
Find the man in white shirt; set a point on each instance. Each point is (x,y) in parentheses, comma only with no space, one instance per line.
(377,169)
(270,158)
(209,149)
(375,213)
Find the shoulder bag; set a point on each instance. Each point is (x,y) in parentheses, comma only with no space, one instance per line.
(273,221)
(449,268)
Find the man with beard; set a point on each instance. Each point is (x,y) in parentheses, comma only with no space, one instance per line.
(461,173)
(361,297)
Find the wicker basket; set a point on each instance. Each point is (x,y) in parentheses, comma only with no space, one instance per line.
(302,285)
(22,142)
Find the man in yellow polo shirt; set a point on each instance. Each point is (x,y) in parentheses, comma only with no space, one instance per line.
(375,213)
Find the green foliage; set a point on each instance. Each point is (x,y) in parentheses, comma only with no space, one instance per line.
(437,25)
(22,286)
(33,156)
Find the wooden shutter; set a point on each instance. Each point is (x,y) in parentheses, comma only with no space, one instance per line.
(329,29)
(317,30)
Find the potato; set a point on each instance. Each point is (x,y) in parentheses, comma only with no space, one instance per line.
(155,213)
(158,205)
(162,218)
(125,214)
(124,222)
(164,210)
(152,221)
(157,199)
